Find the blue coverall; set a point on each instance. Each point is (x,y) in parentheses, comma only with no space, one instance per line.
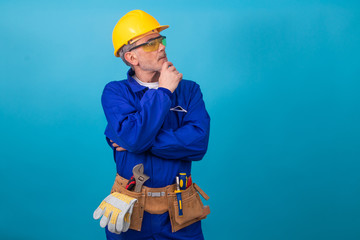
(164,131)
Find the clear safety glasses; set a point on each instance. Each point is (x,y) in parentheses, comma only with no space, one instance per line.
(152,44)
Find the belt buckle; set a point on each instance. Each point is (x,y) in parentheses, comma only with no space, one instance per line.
(156,194)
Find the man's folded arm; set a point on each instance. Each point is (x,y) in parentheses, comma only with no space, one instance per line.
(108,140)
(190,141)
(131,128)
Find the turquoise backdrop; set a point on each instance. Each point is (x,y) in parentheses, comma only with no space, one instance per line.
(280,81)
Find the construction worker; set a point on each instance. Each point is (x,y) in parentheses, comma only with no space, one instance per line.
(155,117)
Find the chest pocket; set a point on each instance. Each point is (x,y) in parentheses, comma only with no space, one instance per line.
(174,118)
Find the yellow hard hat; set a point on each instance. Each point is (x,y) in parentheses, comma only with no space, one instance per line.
(132,25)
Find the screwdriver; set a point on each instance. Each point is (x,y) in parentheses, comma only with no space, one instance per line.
(178,196)
(183,181)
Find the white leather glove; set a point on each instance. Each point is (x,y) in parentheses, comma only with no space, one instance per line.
(117,208)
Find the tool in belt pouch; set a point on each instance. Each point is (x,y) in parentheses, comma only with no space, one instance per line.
(161,200)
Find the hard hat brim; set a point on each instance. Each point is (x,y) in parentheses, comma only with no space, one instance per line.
(159,29)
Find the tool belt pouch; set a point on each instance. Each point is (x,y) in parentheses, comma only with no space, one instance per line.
(193,208)
(138,209)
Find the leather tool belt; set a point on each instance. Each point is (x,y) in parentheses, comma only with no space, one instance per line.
(161,200)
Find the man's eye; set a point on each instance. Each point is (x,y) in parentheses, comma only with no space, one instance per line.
(152,43)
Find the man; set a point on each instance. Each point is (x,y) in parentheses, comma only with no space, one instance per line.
(154,118)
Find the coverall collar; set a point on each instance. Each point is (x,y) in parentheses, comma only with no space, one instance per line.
(135,86)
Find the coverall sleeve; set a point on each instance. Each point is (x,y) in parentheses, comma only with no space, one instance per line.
(132,128)
(190,141)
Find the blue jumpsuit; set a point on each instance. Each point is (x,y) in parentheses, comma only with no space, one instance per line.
(164,131)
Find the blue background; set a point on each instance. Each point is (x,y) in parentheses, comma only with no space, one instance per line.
(281,83)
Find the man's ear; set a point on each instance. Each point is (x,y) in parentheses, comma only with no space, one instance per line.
(131,58)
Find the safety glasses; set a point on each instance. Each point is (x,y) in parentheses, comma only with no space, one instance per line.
(152,44)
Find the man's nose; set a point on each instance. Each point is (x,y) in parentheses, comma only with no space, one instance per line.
(161,47)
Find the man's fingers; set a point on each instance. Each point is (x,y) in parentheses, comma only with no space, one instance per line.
(172,69)
(120,149)
(166,65)
(115,145)
(111,140)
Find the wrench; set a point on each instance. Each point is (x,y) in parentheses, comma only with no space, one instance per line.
(139,176)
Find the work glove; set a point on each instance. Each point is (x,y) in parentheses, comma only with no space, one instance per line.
(116,210)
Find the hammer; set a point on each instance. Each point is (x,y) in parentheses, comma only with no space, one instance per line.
(139,176)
